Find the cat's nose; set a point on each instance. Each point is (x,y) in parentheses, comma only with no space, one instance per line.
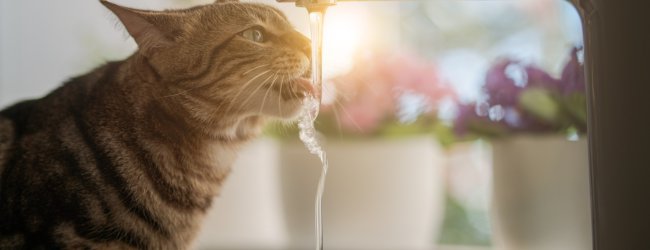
(304,44)
(307,50)
(300,42)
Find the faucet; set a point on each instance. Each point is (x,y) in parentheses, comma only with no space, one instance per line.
(321,5)
(312,5)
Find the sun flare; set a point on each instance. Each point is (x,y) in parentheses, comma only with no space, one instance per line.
(344,31)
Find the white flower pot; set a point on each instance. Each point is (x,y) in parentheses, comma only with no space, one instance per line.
(541,197)
(247,213)
(379,194)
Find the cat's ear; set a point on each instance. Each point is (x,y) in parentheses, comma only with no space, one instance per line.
(149,29)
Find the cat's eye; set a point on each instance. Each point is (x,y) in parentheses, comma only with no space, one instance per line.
(254,34)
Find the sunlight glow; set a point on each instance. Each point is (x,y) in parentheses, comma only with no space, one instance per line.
(344,31)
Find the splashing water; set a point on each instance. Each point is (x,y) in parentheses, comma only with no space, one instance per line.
(308,134)
(308,137)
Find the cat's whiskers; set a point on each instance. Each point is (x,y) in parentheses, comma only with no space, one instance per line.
(346,96)
(291,95)
(280,95)
(268,90)
(337,120)
(199,86)
(363,80)
(245,85)
(254,91)
(291,89)
(254,68)
(337,102)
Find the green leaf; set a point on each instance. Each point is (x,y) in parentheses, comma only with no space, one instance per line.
(541,104)
(445,134)
(576,106)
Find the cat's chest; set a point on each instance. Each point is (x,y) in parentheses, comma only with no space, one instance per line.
(220,155)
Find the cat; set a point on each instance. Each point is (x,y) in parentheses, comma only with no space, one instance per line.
(131,154)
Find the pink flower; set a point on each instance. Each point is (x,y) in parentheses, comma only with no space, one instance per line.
(369,95)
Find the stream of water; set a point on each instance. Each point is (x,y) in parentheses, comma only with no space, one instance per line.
(308,134)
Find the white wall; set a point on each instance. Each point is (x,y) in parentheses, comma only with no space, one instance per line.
(46,42)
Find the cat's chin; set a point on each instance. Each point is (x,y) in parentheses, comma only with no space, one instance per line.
(306,87)
(285,105)
(288,110)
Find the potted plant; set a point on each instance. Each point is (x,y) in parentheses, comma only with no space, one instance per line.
(536,124)
(384,187)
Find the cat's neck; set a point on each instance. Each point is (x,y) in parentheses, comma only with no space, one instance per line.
(136,100)
(137,97)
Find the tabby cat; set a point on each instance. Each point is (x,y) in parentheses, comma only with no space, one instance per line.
(130,155)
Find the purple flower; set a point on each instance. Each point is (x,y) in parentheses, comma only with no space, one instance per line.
(517,120)
(508,78)
(500,88)
(539,78)
(573,77)
(466,115)
(525,98)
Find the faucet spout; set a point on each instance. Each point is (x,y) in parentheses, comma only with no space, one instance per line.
(312,5)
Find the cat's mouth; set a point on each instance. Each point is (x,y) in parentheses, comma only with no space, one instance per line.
(299,88)
(306,85)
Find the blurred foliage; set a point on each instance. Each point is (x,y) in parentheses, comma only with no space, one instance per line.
(327,126)
(458,229)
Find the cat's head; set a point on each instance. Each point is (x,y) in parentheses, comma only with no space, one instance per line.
(226,58)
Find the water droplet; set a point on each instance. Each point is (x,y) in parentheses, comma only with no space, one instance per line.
(496,113)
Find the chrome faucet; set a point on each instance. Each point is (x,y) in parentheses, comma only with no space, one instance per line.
(321,5)
(312,5)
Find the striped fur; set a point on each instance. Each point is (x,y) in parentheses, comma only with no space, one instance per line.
(130,155)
